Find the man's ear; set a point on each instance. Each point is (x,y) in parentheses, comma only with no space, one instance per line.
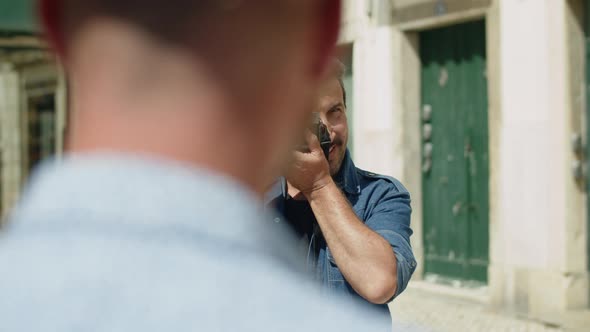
(328,29)
(50,17)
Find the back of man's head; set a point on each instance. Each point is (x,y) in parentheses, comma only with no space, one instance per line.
(243,69)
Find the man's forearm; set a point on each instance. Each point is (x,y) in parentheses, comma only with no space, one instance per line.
(364,257)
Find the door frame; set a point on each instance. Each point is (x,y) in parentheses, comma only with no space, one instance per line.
(463,271)
(585,130)
(28,72)
(38,79)
(409,86)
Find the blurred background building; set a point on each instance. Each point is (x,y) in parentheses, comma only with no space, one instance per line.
(479,106)
(32,99)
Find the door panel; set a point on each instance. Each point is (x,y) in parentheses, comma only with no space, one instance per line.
(455,172)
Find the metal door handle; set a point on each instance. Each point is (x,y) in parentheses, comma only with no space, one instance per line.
(457,208)
(426,113)
(427,132)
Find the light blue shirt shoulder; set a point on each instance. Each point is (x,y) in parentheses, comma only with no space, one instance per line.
(110,243)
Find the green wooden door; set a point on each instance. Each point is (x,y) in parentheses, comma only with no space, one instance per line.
(455,151)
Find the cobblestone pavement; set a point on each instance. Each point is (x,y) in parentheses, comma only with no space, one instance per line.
(423,310)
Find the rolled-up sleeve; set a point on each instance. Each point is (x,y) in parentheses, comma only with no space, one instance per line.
(390,218)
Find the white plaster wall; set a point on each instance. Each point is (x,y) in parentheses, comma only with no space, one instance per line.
(375,118)
(353,20)
(532,137)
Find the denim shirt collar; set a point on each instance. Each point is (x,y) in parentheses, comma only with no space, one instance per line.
(347,178)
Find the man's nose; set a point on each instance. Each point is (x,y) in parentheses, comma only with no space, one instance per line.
(332,134)
(330,131)
(324,118)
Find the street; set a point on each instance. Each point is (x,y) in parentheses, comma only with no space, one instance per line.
(427,311)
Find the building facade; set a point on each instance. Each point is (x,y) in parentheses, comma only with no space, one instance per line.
(480,108)
(32,100)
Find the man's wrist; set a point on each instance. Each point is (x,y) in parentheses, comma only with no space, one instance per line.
(323,187)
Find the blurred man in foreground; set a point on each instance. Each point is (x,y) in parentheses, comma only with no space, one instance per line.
(182,112)
(354,225)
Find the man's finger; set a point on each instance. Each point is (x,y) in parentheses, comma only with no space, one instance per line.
(297,155)
(312,141)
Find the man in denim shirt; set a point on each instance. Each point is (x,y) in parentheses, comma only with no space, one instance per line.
(354,224)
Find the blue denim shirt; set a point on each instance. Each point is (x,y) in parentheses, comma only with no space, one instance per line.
(383,204)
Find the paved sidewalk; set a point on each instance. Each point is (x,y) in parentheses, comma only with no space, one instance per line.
(429,311)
